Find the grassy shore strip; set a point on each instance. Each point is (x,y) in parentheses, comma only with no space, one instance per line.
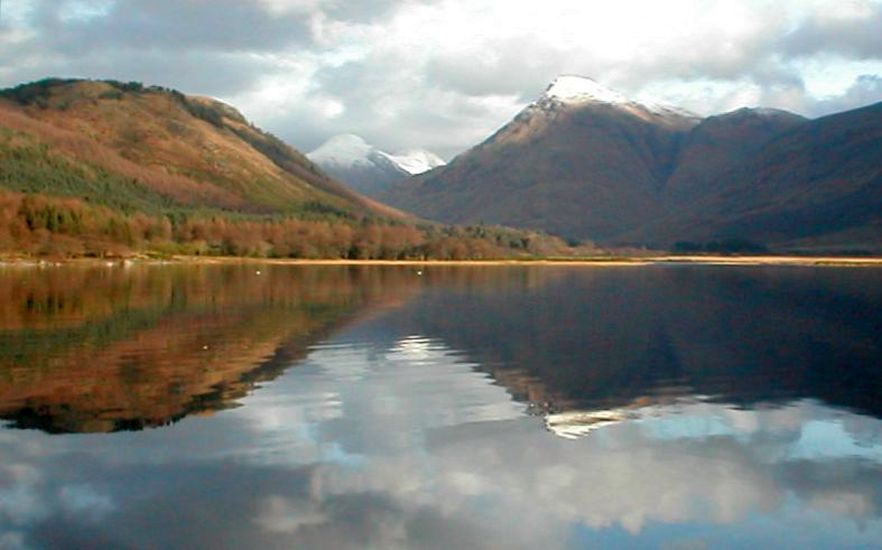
(600,261)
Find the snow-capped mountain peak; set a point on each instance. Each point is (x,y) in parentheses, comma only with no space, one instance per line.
(576,89)
(345,150)
(350,150)
(357,163)
(416,161)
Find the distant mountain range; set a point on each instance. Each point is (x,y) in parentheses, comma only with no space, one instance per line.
(366,169)
(587,162)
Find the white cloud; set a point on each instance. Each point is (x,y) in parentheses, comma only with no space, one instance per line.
(444,74)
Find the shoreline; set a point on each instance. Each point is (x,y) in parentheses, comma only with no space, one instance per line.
(635,261)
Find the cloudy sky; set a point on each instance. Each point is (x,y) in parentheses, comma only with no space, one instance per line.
(443,74)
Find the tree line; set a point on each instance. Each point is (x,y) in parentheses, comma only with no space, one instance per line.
(41,225)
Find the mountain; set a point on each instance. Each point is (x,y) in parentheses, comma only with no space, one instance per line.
(188,150)
(582,161)
(815,186)
(416,161)
(111,169)
(366,169)
(721,143)
(587,162)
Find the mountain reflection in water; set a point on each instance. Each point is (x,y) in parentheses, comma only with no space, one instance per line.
(383,409)
(108,349)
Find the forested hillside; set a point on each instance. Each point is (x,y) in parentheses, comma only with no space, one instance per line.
(104,168)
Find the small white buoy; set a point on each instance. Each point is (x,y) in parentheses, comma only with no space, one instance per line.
(205,346)
(257,272)
(420,272)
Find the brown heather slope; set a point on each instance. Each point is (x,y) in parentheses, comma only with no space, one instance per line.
(195,151)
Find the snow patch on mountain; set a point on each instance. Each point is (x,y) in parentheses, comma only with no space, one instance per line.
(344,151)
(350,159)
(416,161)
(352,151)
(579,90)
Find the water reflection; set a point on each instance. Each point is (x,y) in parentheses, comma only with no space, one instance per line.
(416,418)
(612,339)
(108,349)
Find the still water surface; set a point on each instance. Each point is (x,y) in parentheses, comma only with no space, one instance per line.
(472,407)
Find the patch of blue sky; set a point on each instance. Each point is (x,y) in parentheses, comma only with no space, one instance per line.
(828,438)
(827,76)
(337,454)
(791,527)
(670,427)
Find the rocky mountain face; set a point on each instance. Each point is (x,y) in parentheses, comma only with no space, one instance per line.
(366,169)
(587,162)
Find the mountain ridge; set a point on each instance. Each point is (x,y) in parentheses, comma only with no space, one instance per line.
(519,185)
(586,162)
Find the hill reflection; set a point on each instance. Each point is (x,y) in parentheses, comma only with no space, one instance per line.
(716,401)
(597,339)
(109,349)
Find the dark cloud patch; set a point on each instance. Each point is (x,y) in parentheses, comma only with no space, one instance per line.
(214,48)
(367,11)
(361,11)
(855,38)
(207,73)
(226,25)
(300,128)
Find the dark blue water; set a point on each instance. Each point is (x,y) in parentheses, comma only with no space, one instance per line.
(472,407)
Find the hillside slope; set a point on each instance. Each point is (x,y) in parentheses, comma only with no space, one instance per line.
(815,186)
(719,145)
(586,162)
(104,168)
(191,151)
(572,163)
